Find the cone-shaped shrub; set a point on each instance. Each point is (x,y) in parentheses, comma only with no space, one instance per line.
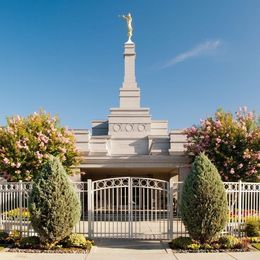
(204,208)
(54,206)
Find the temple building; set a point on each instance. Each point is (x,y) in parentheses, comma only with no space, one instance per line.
(129,142)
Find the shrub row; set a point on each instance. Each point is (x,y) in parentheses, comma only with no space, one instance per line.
(15,239)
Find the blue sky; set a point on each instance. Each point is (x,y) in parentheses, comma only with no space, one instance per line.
(66,57)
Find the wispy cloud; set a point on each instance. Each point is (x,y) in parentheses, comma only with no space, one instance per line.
(198,50)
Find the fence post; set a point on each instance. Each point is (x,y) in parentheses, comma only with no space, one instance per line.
(170,208)
(130,207)
(239,206)
(21,203)
(90,210)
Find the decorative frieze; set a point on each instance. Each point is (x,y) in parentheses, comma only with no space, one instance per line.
(129,127)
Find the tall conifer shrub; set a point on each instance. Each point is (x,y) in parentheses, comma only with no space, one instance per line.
(204,208)
(54,206)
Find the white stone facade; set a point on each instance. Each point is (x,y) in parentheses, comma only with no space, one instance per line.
(129,142)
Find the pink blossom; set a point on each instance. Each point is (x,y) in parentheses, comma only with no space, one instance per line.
(19,146)
(10,130)
(66,140)
(39,155)
(232,171)
(218,140)
(63,150)
(193,129)
(218,124)
(240,166)
(18,165)
(6,160)
(43,138)
(253,170)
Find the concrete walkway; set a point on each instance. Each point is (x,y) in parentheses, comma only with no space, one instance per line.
(131,250)
(155,250)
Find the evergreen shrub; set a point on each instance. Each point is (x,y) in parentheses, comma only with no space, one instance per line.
(203,206)
(54,206)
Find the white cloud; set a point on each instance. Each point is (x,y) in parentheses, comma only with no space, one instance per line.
(198,50)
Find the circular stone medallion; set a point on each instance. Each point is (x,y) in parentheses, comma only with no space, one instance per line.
(129,128)
(117,127)
(141,128)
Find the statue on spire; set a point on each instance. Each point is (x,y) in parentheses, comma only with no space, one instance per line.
(128,19)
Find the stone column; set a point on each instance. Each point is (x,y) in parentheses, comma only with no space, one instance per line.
(129,93)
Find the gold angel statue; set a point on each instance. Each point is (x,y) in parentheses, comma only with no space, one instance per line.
(128,19)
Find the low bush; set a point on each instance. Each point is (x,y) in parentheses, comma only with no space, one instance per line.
(216,246)
(77,240)
(29,242)
(228,241)
(3,237)
(194,246)
(181,242)
(14,237)
(252,227)
(206,246)
(242,244)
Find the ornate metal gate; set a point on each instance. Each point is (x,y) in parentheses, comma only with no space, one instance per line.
(130,207)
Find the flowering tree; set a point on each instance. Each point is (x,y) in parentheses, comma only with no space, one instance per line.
(26,143)
(231,143)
